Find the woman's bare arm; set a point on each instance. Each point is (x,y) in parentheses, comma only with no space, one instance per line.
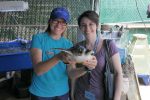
(39,66)
(118,77)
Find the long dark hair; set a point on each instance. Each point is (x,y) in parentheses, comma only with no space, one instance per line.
(48,29)
(92,15)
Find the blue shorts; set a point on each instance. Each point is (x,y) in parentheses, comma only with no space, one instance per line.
(62,97)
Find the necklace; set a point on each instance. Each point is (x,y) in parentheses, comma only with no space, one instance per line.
(95,44)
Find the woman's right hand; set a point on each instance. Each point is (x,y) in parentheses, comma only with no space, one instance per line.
(90,64)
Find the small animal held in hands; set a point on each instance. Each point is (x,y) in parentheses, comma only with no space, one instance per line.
(78,53)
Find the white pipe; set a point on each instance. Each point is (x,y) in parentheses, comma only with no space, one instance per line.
(8,76)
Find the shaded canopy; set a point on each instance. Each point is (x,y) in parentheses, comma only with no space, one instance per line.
(115,11)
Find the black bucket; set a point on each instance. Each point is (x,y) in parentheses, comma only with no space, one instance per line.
(21,90)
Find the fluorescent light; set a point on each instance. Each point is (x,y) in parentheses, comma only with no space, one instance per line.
(7,6)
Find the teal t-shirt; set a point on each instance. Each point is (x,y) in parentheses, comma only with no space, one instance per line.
(55,81)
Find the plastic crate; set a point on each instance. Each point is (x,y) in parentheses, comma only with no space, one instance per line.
(14,61)
(123,55)
(144,79)
(10,44)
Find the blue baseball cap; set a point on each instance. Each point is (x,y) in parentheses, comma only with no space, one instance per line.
(60,12)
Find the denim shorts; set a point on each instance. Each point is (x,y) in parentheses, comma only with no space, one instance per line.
(62,97)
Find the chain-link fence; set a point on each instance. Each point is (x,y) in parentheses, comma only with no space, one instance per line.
(23,24)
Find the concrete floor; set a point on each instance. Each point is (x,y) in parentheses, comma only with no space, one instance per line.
(7,92)
(145,92)
(7,95)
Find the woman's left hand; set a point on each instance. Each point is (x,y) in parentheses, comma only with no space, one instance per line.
(90,64)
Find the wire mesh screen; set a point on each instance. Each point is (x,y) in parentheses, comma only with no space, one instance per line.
(115,11)
(23,24)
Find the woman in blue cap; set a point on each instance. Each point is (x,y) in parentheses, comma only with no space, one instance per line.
(50,80)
